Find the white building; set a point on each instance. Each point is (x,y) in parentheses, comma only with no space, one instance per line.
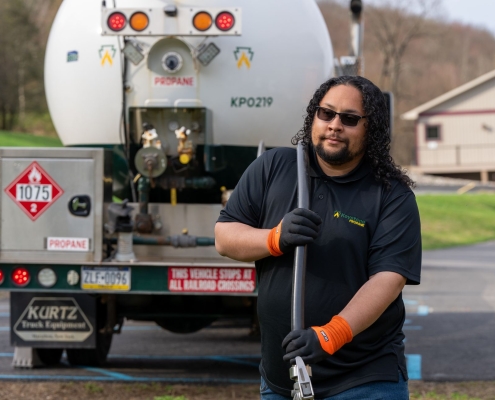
(455,132)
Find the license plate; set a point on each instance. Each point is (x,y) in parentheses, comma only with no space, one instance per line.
(106,278)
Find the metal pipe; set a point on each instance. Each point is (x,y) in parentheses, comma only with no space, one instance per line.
(356,48)
(261,148)
(176,241)
(299,271)
(144,194)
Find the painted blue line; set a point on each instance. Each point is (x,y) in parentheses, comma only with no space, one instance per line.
(4,328)
(4,314)
(234,361)
(106,372)
(407,321)
(6,354)
(412,328)
(228,359)
(132,378)
(410,302)
(414,366)
(171,358)
(423,310)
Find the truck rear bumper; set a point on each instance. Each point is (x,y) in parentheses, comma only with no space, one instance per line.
(180,276)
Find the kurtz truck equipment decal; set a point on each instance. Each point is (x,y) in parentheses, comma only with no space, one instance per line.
(57,319)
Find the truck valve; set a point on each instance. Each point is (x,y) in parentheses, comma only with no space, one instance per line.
(119,215)
(185,148)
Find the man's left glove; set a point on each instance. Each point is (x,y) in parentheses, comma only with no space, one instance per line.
(318,342)
(305,344)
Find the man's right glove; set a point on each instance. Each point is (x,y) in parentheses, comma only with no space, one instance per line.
(298,228)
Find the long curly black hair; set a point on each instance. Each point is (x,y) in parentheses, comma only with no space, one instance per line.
(377,127)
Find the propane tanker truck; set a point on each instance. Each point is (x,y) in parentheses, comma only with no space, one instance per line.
(160,106)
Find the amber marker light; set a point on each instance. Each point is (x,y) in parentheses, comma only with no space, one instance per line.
(21,276)
(139,21)
(225,21)
(116,21)
(202,21)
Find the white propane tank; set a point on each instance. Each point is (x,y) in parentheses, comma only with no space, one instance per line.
(257,88)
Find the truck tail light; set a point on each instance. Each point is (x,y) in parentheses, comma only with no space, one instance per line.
(202,21)
(21,276)
(2,277)
(224,21)
(47,277)
(139,21)
(117,21)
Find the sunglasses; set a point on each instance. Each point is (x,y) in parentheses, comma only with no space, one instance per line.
(325,114)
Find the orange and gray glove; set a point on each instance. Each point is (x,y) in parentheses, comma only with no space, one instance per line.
(298,228)
(318,342)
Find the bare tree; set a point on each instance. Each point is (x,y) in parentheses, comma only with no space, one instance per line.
(20,60)
(394,26)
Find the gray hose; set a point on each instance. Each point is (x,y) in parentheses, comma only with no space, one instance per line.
(299,271)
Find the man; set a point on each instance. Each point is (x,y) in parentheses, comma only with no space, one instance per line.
(364,245)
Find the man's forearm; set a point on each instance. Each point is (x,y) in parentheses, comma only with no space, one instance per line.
(241,242)
(372,300)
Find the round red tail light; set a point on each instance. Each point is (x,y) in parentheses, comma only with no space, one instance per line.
(21,276)
(2,277)
(117,21)
(224,21)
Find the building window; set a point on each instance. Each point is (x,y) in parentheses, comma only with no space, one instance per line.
(432,132)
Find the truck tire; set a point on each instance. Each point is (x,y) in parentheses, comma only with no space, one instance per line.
(91,357)
(50,357)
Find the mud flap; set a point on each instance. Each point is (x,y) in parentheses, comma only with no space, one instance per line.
(52,320)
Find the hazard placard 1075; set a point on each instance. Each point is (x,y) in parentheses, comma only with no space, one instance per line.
(25,192)
(34,190)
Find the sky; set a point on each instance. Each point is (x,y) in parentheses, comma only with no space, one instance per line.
(479,13)
(473,12)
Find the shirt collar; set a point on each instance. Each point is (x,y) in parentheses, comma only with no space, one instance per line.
(315,171)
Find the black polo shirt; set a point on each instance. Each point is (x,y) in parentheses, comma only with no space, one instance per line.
(366,229)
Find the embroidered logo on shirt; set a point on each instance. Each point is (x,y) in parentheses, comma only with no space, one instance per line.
(352,220)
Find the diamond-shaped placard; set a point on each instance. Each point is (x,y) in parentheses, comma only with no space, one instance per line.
(34,191)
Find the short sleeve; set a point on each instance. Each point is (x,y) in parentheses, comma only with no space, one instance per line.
(246,200)
(396,243)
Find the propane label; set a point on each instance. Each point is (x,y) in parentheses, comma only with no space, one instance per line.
(67,244)
(168,81)
(219,280)
(53,319)
(34,191)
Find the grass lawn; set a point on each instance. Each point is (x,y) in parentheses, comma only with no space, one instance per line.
(456,220)
(419,390)
(16,139)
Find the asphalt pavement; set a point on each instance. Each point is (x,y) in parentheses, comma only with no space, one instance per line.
(452,334)
(449,329)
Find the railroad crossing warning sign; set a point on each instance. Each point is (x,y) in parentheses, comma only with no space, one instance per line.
(34,191)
